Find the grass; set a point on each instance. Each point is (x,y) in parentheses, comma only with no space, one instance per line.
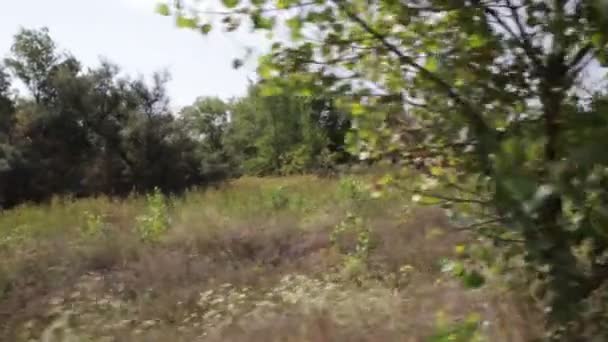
(273,259)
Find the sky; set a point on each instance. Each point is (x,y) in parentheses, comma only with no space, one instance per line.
(130,34)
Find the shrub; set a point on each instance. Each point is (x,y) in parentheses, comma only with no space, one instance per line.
(466,331)
(357,252)
(279,198)
(93,225)
(352,190)
(155,221)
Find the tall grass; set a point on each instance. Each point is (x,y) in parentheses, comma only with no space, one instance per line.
(274,259)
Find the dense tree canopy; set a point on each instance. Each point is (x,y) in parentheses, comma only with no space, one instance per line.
(498,108)
(85,131)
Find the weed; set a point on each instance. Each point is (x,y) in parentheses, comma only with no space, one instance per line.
(356,257)
(356,226)
(279,198)
(94,225)
(352,190)
(466,331)
(253,260)
(155,221)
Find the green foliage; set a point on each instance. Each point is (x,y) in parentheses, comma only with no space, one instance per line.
(355,257)
(471,278)
(152,224)
(186,22)
(232,264)
(285,134)
(230,3)
(33,58)
(279,198)
(94,225)
(495,118)
(466,331)
(163,9)
(355,260)
(86,132)
(354,268)
(352,190)
(206,28)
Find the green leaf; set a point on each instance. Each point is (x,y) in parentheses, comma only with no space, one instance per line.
(295,27)
(305,92)
(432,64)
(476,41)
(431,46)
(283,4)
(265,70)
(271,90)
(163,9)
(261,22)
(597,39)
(185,22)
(206,28)
(230,3)
(357,109)
(473,279)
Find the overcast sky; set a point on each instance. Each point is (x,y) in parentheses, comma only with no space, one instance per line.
(132,35)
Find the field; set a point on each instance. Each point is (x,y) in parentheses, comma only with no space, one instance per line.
(273,259)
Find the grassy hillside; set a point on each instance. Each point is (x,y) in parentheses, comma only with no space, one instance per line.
(273,259)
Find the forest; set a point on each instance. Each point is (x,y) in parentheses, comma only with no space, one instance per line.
(421,170)
(91,131)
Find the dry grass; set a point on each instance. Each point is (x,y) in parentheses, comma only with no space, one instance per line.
(252,261)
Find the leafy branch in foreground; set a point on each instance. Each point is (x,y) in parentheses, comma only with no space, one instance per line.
(504,76)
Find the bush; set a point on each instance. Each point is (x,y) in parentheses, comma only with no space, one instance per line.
(94,224)
(279,198)
(155,221)
(467,331)
(352,190)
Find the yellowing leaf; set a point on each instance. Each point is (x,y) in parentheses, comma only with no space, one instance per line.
(459,249)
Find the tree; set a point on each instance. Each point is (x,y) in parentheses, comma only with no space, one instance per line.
(33,57)
(284,134)
(7,107)
(497,89)
(7,122)
(86,131)
(206,121)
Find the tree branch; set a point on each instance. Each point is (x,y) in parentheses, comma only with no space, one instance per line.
(521,39)
(580,55)
(473,115)
(454,199)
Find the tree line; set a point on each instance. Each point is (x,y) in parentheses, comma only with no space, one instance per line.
(87,131)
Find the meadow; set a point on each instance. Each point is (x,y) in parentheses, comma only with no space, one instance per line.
(297,258)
